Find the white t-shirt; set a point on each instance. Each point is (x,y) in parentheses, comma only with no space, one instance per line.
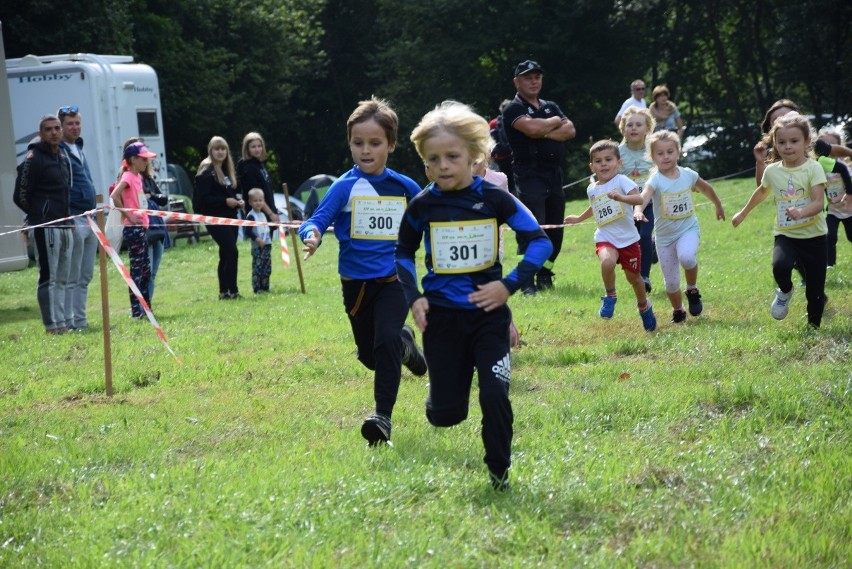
(674,210)
(614,219)
(631,101)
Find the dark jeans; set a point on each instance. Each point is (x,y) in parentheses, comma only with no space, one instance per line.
(225,237)
(809,256)
(646,243)
(455,343)
(540,189)
(377,311)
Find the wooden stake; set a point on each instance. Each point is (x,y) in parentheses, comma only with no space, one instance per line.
(105,302)
(297,252)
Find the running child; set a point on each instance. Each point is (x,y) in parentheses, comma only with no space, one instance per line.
(797,182)
(616,237)
(462,310)
(838,185)
(635,126)
(366,205)
(128,193)
(676,227)
(261,242)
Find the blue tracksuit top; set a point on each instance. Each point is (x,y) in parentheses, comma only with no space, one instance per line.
(480,201)
(361,259)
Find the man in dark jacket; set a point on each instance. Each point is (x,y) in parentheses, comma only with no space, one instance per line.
(536,130)
(42,191)
(82,199)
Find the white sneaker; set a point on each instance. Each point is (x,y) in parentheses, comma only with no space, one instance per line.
(779,306)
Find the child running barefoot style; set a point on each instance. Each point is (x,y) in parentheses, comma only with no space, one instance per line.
(635,126)
(616,238)
(366,205)
(797,183)
(676,227)
(462,310)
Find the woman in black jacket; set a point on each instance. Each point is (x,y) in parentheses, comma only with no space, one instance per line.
(251,173)
(216,195)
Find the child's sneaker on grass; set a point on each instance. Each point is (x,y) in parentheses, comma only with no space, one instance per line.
(412,357)
(607,306)
(649,321)
(694,300)
(376,429)
(779,307)
(499,483)
(678,316)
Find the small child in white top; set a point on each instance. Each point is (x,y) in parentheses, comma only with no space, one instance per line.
(261,242)
(675,226)
(616,237)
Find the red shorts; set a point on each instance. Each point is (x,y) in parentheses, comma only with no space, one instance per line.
(630,257)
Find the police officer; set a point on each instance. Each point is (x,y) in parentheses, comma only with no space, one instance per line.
(536,130)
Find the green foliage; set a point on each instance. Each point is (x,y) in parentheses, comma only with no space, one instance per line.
(294,69)
(721,442)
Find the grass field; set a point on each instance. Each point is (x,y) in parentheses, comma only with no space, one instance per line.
(722,442)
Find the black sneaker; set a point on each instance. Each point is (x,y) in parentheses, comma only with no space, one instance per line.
(678,316)
(648,286)
(694,299)
(499,483)
(544,279)
(412,357)
(528,288)
(376,429)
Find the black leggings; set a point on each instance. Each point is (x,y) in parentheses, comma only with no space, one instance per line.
(809,256)
(225,237)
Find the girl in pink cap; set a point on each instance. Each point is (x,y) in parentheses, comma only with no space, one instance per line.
(128,194)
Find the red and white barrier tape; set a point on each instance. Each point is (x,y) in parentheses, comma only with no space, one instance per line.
(129,280)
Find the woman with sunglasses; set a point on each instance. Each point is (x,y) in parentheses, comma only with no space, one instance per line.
(216,195)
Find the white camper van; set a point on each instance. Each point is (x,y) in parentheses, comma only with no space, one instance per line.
(13,255)
(116,97)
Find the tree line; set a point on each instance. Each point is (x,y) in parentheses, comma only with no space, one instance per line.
(294,69)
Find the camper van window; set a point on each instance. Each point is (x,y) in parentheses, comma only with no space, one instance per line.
(147,120)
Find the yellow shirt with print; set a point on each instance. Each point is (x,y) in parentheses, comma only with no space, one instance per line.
(790,185)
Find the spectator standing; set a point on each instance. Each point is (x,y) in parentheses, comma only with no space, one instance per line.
(664,111)
(537,130)
(501,154)
(216,195)
(261,242)
(82,198)
(128,194)
(42,192)
(636,99)
(157,235)
(251,173)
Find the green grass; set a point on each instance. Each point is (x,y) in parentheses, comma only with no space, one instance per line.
(721,442)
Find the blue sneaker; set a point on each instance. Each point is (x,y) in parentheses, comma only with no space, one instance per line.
(607,307)
(649,321)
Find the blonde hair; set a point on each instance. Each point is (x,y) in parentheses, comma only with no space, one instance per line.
(248,139)
(663,136)
(835,133)
(790,120)
(255,192)
(650,122)
(227,163)
(459,120)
